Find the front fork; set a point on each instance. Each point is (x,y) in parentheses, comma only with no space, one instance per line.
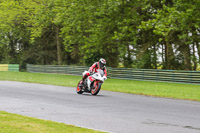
(95,83)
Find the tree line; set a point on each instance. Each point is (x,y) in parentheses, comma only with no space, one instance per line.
(149,34)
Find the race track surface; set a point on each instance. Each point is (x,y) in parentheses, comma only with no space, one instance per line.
(108,111)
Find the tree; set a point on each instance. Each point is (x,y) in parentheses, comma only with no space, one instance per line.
(174,20)
(140,34)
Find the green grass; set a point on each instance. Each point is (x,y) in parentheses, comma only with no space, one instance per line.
(13,123)
(159,89)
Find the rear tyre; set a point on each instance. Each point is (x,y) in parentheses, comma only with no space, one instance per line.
(95,90)
(78,88)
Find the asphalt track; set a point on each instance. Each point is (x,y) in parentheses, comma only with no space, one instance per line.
(108,111)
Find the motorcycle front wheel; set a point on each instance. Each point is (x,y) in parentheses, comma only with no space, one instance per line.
(95,90)
(79,89)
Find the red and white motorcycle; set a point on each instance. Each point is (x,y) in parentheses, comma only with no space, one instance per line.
(92,84)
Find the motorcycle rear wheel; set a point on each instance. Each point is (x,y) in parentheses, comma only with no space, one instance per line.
(78,88)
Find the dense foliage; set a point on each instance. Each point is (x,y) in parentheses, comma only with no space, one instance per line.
(127,33)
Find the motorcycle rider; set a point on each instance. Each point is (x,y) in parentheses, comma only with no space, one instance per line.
(97,65)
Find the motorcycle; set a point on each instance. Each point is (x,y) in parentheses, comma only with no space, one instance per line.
(92,84)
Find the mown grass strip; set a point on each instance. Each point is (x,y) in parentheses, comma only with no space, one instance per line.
(159,89)
(13,123)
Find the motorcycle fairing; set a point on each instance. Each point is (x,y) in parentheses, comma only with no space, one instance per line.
(90,81)
(91,78)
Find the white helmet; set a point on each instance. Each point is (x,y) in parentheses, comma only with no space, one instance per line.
(102,63)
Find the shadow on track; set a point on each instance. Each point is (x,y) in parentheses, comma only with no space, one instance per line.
(88,94)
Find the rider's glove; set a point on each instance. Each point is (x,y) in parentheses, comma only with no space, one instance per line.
(104,77)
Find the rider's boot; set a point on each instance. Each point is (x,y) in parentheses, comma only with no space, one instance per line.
(82,82)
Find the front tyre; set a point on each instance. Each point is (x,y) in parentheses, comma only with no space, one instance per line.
(78,88)
(95,90)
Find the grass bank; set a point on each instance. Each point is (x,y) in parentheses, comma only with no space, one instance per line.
(13,123)
(159,89)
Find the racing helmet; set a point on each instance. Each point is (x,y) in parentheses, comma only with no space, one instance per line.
(102,63)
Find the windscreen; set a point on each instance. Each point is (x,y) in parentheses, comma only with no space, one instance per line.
(101,72)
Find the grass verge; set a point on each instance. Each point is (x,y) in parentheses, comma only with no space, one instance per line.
(159,89)
(13,123)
